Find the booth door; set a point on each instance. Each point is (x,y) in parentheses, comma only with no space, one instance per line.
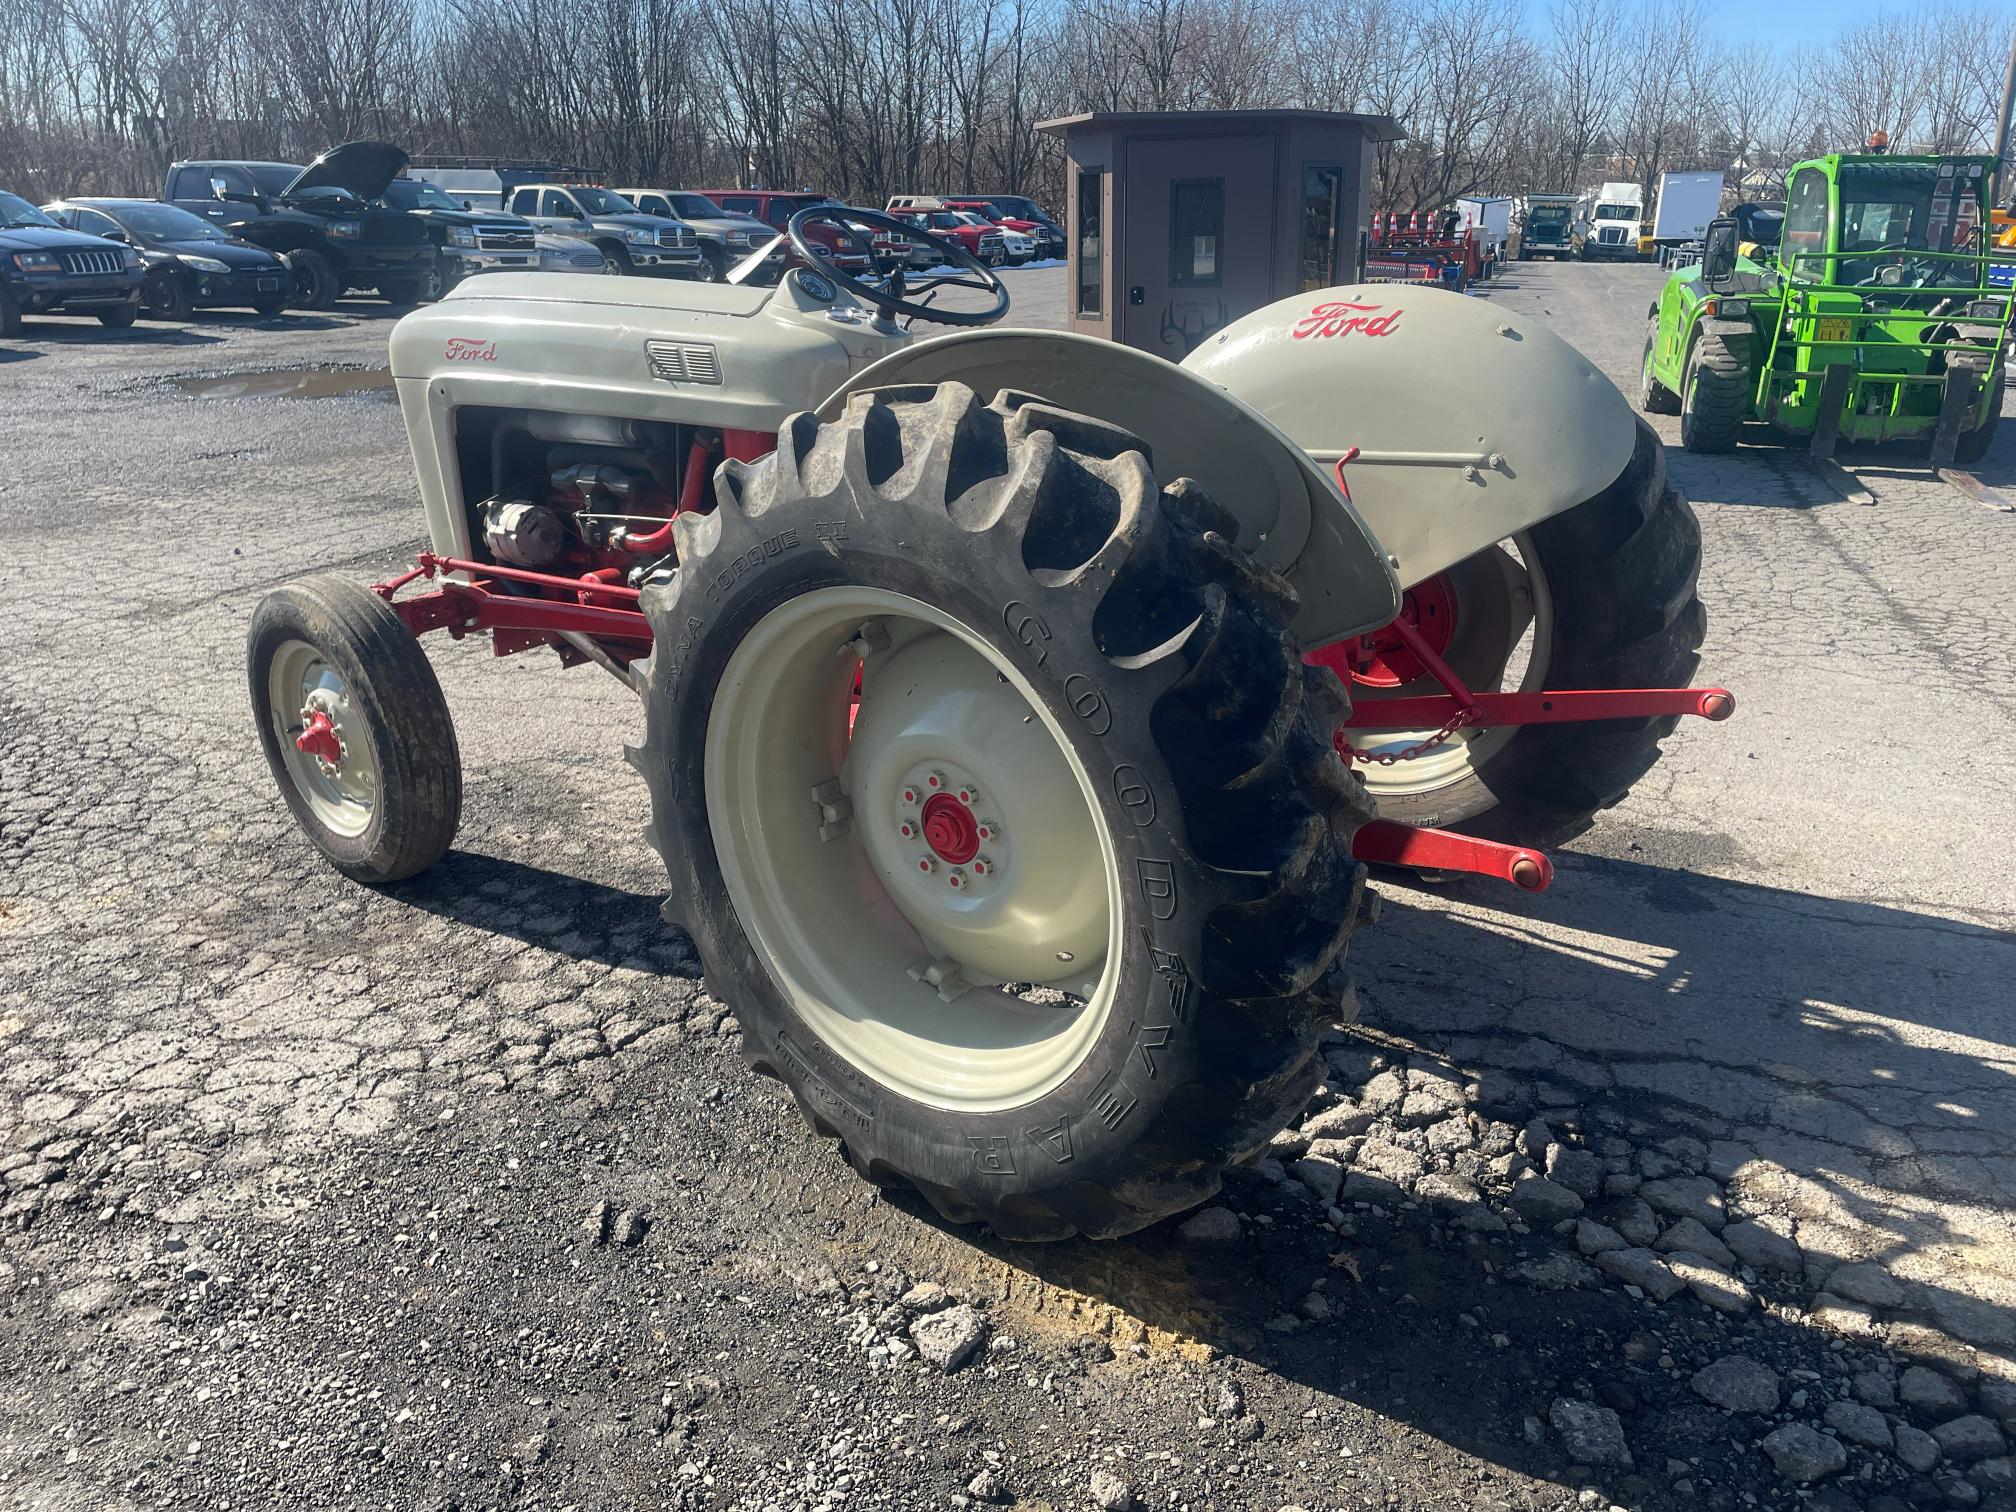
(1198,245)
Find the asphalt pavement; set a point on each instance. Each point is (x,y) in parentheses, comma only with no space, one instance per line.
(457,1195)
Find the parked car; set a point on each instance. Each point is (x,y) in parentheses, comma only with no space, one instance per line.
(1019,207)
(1045,240)
(569,254)
(466,242)
(630,240)
(45,269)
(320,219)
(726,236)
(892,251)
(775,207)
(1045,235)
(187,263)
(981,238)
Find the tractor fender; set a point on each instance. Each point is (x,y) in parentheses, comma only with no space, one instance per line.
(1473,422)
(1292,516)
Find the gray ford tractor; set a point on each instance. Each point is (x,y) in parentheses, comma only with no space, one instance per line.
(1019,709)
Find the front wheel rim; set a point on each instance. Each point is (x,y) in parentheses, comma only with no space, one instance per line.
(931,889)
(342,794)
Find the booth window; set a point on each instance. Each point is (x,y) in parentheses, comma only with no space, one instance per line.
(1322,208)
(1196,232)
(1091,261)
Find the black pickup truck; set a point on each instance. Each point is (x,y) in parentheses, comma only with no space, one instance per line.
(321,219)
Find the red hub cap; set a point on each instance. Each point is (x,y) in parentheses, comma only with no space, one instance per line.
(1381,659)
(951,829)
(318,739)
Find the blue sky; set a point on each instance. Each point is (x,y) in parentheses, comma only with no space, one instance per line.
(1788,24)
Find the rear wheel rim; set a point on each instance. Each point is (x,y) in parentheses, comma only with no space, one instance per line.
(1022,896)
(1502,642)
(343,794)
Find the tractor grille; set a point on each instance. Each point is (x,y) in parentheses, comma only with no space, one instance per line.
(684,361)
(504,238)
(677,236)
(93,262)
(1611,234)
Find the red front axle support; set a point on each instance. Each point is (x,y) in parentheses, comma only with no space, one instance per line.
(1386,843)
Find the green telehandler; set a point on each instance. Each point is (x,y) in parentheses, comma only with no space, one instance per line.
(1872,320)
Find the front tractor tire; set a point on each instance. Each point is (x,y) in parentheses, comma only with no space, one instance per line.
(1047,927)
(1599,596)
(378,788)
(1714,393)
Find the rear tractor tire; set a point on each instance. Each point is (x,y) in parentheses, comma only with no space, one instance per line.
(1600,596)
(1714,394)
(379,792)
(1048,926)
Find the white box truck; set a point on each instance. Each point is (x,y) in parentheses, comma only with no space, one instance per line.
(1606,221)
(1490,217)
(1686,203)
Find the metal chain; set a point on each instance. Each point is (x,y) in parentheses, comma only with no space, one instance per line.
(1461,719)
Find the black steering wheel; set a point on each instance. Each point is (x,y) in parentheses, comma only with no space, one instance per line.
(891,293)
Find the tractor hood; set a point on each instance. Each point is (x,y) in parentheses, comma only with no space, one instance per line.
(363,168)
(1472,422)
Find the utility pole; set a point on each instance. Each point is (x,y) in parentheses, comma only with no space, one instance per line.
(1995,184)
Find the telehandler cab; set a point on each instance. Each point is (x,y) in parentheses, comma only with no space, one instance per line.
(993,780)
(1874,318)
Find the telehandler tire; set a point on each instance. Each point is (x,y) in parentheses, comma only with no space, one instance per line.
(1714,394)
(1610,602)
(1654,398)
(1974,444)
(386,807)
(1046,928)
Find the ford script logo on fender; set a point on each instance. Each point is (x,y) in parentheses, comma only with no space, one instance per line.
(469,349)
(1341,317)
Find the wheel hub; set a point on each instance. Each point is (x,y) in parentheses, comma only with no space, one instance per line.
(950,828)
(318,737)
(1383,660)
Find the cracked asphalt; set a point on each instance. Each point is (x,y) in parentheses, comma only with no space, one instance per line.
(456,1195)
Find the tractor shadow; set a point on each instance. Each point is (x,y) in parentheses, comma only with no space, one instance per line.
(553,910)
(1862,1054)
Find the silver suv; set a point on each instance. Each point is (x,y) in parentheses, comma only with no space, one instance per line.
(630,240)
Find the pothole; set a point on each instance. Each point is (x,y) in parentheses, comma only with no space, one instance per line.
(297,383)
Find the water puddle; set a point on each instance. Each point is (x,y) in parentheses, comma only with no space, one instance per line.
(310,383)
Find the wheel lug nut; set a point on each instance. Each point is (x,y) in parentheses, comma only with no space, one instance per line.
(909,795)
(982,866)
(989,829)
(968,796)
(955,880)
(934,780)
(926,864)
(907,830)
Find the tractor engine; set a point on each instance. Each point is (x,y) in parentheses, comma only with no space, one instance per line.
(581,496)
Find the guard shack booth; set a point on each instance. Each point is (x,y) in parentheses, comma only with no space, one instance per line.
(1182,221)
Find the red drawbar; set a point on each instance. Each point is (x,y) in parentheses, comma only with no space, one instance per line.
(1386,843)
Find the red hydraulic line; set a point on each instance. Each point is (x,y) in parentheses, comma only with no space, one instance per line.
(690,485)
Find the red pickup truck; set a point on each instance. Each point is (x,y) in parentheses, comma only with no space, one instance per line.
(775,207)
(972,232)
(1048,239)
